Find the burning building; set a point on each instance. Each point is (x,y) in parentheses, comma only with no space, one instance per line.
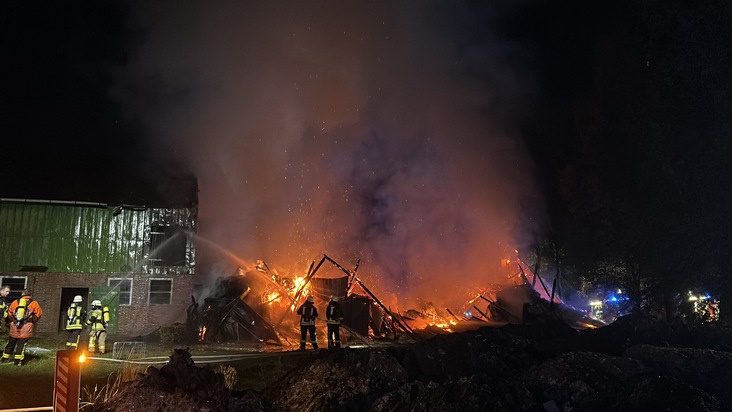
(257,305)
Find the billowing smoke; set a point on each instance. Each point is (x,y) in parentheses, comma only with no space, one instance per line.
(381,131)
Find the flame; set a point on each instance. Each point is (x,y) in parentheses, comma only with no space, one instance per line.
(270,297)
(299,282)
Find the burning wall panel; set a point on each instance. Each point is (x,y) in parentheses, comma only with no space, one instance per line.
(356,314)
(324,288)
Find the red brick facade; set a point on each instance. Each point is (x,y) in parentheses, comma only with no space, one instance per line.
(138,318)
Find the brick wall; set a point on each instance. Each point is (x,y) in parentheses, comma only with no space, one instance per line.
(140,318)
(137,319)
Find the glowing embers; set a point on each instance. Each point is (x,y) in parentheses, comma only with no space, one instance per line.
(282,288)
(428,318)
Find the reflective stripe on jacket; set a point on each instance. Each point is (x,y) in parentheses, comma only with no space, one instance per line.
(75,317)
(307,313)
(334,313)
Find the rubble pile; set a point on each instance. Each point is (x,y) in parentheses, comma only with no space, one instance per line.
(179,386)
(636,364)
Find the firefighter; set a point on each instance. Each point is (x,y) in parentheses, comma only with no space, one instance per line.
(23,313)
(4,306)
(308,313)
(98,320)
(75,318)
(334,314)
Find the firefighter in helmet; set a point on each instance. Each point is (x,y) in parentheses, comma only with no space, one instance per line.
(98,320)
(308,313)
(4,307)
(334,315)
(23,314)
(75,318)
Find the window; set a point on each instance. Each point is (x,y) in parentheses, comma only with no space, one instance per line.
(16,283)
(161,292)
(125,289)
(167,246)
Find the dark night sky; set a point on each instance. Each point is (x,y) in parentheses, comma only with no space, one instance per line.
(67,136)
(319,127)
(64,138)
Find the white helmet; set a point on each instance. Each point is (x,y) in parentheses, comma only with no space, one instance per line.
(311,299)
(97,303)
(78,299)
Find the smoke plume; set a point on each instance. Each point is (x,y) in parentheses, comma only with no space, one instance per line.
(381,131)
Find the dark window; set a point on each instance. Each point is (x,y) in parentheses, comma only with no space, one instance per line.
(161,291)
(125,289)
(16,283)
(167,246)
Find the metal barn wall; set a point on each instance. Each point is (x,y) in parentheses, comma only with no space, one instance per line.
(85,237)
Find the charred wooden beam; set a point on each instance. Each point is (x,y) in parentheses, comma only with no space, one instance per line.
(452,314)
(404,324)
(536,266)
(536,276)
(481,313)
(353,275)
(406,328)
(302,287)
(499,307)
(336,264)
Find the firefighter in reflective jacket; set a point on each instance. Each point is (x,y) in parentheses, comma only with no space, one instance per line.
(23,313)
(4,320)
(75,318)
(334,314)
(308,313)
(98,320)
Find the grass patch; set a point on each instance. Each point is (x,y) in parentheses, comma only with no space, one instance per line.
(33,382)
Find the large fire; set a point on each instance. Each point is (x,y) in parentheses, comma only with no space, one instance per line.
(275,296)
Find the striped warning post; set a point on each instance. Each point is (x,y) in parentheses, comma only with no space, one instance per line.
(67,381)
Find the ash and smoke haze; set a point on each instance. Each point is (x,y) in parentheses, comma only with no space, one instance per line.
(379,131)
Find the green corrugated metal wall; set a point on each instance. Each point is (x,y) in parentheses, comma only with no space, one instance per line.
(70,238)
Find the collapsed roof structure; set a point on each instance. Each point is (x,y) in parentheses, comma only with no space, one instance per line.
(253,306)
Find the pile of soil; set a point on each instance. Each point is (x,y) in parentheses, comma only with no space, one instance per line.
(636,363)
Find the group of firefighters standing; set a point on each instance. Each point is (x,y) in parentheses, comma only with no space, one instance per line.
(97,321)
(22,314)
(308,314)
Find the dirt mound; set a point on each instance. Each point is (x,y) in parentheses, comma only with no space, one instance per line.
(638,364)
(182,387)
